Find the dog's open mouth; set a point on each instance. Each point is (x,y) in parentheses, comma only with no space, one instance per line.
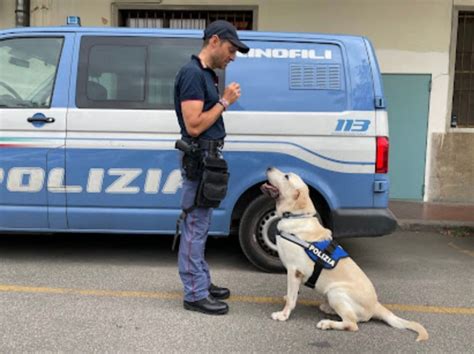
(270,190)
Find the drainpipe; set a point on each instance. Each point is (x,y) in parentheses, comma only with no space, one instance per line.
(22,13)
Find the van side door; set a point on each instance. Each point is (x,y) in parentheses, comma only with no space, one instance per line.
(121,165)
(34,81)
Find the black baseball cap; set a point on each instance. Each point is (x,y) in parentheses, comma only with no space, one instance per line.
(225,30)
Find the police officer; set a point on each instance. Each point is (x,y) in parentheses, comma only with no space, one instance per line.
(199,110)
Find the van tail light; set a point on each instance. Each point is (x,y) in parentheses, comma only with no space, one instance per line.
(381,164)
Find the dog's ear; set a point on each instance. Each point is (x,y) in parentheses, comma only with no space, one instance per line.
(296,194)
(301,199)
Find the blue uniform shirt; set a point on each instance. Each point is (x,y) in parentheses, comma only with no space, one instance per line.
(194,82)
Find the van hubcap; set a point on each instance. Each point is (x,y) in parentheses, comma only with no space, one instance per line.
(266,233)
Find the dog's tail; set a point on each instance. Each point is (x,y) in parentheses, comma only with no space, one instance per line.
(388,316)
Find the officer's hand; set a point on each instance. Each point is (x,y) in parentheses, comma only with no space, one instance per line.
(232,92)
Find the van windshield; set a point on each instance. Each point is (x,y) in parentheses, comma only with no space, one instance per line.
(27,71)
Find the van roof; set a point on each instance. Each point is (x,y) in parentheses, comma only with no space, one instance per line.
(178,32)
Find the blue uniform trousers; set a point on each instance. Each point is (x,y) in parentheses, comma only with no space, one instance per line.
(193,268)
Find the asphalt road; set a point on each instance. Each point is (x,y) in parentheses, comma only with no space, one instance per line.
(114,293)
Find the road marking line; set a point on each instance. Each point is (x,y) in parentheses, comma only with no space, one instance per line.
(462,250)
(90,292)
(234,298)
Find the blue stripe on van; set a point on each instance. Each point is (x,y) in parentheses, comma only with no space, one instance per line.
(302,148)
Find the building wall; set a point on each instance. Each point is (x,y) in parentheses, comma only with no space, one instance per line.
(7,13)
(409,36)
(452,174)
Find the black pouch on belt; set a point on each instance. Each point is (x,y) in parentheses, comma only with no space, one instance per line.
(192,165)
(213,185)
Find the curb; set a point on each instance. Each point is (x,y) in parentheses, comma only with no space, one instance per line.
(435,225)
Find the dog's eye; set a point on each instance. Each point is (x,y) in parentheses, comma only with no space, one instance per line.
(287,177)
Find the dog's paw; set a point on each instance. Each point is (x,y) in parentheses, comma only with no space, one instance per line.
(279,316)
(324,324)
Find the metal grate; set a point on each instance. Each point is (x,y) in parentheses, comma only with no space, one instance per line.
(463,97)
(189,19)
(315,77)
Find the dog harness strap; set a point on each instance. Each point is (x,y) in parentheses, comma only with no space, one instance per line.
(294,239)
(311,282)
(288,215)
(329,250)
(319,264)
(181,218)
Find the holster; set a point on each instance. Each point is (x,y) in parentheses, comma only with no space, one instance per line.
(212,187)
(192,159)
(192,165)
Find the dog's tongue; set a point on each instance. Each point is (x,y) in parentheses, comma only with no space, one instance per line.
(270,190)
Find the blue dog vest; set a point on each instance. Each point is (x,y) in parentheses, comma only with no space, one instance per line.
(316,251)
(325,254)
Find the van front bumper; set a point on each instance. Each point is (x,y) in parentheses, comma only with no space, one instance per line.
(362,222)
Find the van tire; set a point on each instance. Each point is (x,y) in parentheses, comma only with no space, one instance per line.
(256,245)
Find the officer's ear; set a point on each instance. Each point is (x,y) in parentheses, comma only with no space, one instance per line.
(214,40)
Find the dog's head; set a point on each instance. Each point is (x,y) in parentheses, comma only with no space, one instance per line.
(289,191)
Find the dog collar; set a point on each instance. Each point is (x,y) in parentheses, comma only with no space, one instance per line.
(288,215)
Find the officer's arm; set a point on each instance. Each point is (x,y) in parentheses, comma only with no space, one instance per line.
(197,121)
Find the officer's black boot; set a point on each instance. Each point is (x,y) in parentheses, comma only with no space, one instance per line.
(209,305)
(218,292)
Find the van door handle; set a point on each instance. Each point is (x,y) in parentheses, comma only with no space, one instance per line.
(41,119)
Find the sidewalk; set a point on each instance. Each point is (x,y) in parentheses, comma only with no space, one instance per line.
(424,215)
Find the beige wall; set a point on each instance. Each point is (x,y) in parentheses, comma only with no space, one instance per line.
(452,174)
(7,13)
(408,25)
(409,36)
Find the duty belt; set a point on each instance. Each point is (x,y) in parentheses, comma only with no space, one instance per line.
(206,144)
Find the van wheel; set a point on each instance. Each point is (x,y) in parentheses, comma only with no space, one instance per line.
(257,234)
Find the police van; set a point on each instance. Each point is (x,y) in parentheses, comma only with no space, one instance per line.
(88,129)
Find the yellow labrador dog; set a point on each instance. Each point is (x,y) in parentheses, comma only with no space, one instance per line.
(347,290)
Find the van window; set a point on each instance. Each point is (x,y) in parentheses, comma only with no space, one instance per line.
(27,71)
(131,72)
(164,57)
(116,72)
